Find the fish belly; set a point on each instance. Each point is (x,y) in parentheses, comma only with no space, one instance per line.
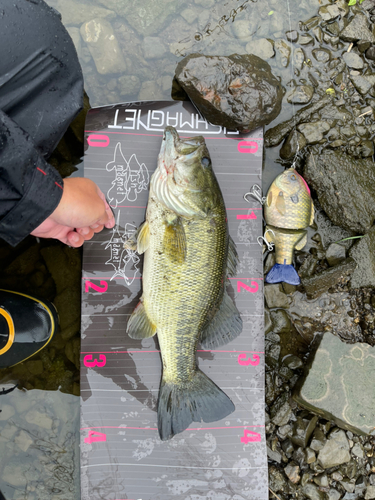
(178,297)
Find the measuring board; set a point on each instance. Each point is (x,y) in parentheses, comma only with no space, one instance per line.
(122,456)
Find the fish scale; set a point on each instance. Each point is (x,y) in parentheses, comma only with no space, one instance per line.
(187,285)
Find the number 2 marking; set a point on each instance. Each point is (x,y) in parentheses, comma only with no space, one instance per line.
(254,284)
(95,437)
(250,437)
(90,362)
(246,362)
(97,288)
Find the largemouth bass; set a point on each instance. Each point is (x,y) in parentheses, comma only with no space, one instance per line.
(288,212)
(188,256)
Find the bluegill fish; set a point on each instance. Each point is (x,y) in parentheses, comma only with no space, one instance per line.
(288,212)
(188,256)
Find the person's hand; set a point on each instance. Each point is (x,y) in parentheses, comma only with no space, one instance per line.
(82,211)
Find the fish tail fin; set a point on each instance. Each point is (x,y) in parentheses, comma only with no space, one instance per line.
(180,405)
(283,272)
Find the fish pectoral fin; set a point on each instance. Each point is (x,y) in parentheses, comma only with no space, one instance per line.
(139,325)
(232,261)
(301,243)
(131,243)
(143,239)
(174,241)
(225,326)
(312,214)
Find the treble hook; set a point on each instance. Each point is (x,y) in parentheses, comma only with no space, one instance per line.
(262,239)
(255,192)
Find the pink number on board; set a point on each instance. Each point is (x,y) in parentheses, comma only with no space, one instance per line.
(90,362)
(250,437)
(247,147)
(94,437)
(254,284)
(98,140)
(246,362)
(97,288)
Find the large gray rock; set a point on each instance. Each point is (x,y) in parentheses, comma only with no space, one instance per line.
(237,92)
(364,255)
(345,187)
(337,385)
(357,29)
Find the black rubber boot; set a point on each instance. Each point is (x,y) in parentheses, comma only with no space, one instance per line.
(27,324)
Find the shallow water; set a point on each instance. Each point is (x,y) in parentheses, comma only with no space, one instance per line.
(33,458)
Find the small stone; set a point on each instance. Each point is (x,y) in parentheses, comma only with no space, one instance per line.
(335,451)
(314,131)
(262,48)
(318,440)
(310,455)
(370,53)
(189,15)
(347,485)
(292,36)
(244,30)
(329,12)
(363,253)
(281,410)
(353,60)
(335,254)
(274,455)
(102,42)
(292,362)
(295,142)
(321,55)
(6,412)
(370,492)
(306,40)
(312,492)
(357,450)
(280,321)
(302,430)
(357,29)
(302,94)
(153,47)
(275,297)
(284,50)
(321,480)
(287,446)
(292,472)
(277,481)
(333,494)
(150,91)
(129,85)
(298,58)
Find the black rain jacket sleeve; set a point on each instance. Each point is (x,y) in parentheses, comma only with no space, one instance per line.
(30,188)
(41,92)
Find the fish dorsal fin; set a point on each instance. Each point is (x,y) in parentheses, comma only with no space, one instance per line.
(139,326)
(312,214)
(232,261)
(225,325)
(269,198)
(143,239)
(280,204)
(174,241)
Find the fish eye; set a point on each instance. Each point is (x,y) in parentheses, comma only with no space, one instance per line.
(293,177)
(205,161)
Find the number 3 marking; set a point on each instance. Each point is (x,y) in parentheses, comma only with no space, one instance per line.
(97,288)
(90,362)
(246,362)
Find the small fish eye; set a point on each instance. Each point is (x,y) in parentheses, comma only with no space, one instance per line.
(293,177)
(205,161)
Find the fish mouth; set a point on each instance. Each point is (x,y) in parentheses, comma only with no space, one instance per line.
(170,181)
